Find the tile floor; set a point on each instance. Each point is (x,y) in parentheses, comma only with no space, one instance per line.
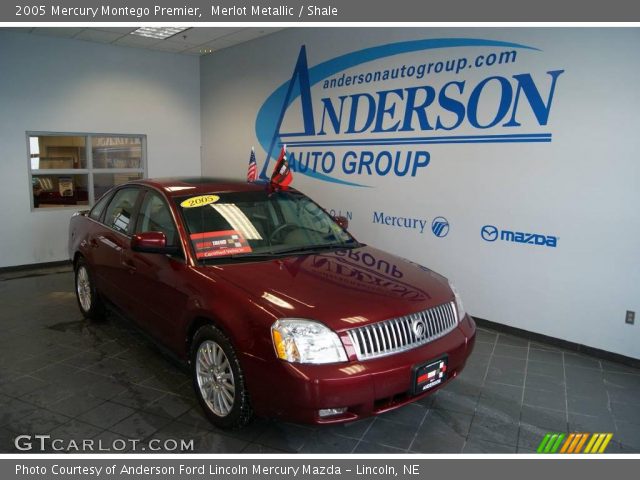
(104,381)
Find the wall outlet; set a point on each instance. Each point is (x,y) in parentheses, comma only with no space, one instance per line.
(630,318)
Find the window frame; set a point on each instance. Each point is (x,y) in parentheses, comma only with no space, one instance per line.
(135,208)
(107,199)
(89,171)
(145,191)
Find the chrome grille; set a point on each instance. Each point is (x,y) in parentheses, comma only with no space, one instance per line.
(403,333)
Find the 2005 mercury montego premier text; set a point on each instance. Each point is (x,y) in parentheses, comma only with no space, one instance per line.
(275,307)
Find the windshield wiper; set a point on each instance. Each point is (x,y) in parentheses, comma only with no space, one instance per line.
(276,253)
(253,255)
(320,247)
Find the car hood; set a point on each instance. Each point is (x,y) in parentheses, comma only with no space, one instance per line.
(342,289)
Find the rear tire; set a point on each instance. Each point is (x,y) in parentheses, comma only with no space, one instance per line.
(88,298)
(218,379)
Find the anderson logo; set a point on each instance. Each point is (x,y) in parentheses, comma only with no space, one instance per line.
(375,112)
(491,233)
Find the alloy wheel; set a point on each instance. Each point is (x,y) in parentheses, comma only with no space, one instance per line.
(83,288)
(215,378)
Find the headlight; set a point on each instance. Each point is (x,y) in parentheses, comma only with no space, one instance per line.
(459,306)
(305,341)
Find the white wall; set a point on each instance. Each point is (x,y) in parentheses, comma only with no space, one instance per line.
(52,84)
(582,187)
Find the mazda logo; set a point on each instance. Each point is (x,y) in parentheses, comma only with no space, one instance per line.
(440,227)
(489,233)
(418,328)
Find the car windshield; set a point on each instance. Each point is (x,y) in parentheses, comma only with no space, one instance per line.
(259,224)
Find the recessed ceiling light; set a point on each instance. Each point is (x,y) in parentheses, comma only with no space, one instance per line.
(158,32)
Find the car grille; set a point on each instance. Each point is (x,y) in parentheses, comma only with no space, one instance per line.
(403,333)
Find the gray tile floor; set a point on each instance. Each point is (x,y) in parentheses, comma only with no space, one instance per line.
(104,381)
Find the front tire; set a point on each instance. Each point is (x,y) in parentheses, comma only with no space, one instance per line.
(86,293)
(218,379)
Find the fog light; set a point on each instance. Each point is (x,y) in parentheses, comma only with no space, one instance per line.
(330,412)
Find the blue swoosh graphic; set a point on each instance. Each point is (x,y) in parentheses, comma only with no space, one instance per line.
(270,110)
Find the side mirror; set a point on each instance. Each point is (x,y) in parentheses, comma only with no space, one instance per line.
(342,221)
(151,242)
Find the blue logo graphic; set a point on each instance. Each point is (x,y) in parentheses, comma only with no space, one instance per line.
(377,132)
(440,227)
(489,233)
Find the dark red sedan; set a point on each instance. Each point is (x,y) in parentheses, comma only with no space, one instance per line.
(277,309)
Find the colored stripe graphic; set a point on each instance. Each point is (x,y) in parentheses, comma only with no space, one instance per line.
(573,443)
(596,446)
(590,444)
(598,443)
(606,441)
(569,443)
(585,436)
(556,445)
(543,443)
(551,442)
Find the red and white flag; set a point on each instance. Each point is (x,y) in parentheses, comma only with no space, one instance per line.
(282,175)
(252,172)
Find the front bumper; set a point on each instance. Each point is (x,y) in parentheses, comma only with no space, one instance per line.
(297,392)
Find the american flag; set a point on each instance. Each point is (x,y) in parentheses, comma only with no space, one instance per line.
(252,172)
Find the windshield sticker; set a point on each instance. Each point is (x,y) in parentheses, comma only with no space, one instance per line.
(199,201)
(218,244)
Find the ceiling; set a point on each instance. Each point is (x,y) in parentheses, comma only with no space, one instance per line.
(193,41)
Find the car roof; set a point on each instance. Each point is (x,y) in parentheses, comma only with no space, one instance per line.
(181,186)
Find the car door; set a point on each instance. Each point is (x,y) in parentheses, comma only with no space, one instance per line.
(156,278)
(110,241)
(89,245)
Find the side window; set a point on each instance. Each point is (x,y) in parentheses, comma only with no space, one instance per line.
(155,216)
(120,210)
(98,208)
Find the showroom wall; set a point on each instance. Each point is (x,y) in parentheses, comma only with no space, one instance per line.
(514,174)
(62,85)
